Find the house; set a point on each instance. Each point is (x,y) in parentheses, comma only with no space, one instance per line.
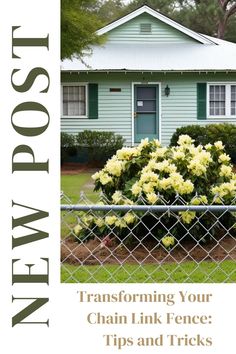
(151,76)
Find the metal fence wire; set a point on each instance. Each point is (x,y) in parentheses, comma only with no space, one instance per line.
(177,243)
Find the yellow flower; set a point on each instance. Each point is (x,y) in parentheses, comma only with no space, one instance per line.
(163,166)
(136,189)
(158,153)
(208,146)
(77,229)
(144,143)
(168,241)
(225,171)
(219,145)
(96,176)
(120,223)
(151,165)
(117,197)
(148,187)
(187,216)
(157,143)
(185,140)
(110,220)
(152,198)
(129,218)
(196,167)
(127,153)
(178,155)
(114,167)
(99,222)
(87,220)
(223,158)
(105,178)
(202,199)
(186,187)
(225,189)
(165,183)
(148,177)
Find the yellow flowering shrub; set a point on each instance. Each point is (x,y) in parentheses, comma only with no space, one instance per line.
(150,174)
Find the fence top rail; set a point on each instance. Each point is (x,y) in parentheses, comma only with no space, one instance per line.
(148,208)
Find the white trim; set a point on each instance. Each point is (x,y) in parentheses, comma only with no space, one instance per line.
(227,85)
(86,116)
(146,9)
(132,109)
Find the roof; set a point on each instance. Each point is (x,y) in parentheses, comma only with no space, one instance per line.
(208,54)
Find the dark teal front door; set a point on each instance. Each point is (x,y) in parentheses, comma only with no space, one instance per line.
(146,112)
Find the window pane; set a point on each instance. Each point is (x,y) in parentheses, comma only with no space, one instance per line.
(146,93)
(217,100)
(233,100)
(74,100)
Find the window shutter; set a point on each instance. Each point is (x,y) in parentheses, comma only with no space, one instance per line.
(93,101)
(201,101)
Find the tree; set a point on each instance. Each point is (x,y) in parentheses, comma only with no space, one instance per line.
(228,8)
(110,10)
(79,22)
(165,6)
(211,17)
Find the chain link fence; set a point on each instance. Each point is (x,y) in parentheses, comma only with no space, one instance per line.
(177,243)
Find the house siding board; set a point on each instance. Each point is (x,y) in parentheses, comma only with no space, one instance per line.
(161,32)
(179,109)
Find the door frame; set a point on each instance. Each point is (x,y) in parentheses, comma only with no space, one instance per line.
(132,110)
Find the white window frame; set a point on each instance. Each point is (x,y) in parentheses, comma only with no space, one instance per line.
(86,99)
(227,100)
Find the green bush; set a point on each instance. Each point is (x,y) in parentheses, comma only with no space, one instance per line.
(68,147)
(100,145)
(211,133)
(226,133)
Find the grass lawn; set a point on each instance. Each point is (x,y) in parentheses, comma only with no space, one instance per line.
(72,185)
(188,272)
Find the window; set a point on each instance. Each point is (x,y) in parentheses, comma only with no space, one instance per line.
(217,100)
(221,100)
(74,100)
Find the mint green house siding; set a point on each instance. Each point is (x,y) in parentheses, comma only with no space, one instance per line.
(115,108)
(160,32)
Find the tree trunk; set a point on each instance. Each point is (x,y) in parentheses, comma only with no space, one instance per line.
(221,29)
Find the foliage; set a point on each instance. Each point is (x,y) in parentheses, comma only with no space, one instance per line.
(101,145)
(196,132)
(152,174)
(210,17)
(165,6)
(224,132)
(67,146)
(110,10)
(79,22)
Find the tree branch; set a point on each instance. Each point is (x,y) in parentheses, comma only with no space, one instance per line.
(223,4)
(231,11)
